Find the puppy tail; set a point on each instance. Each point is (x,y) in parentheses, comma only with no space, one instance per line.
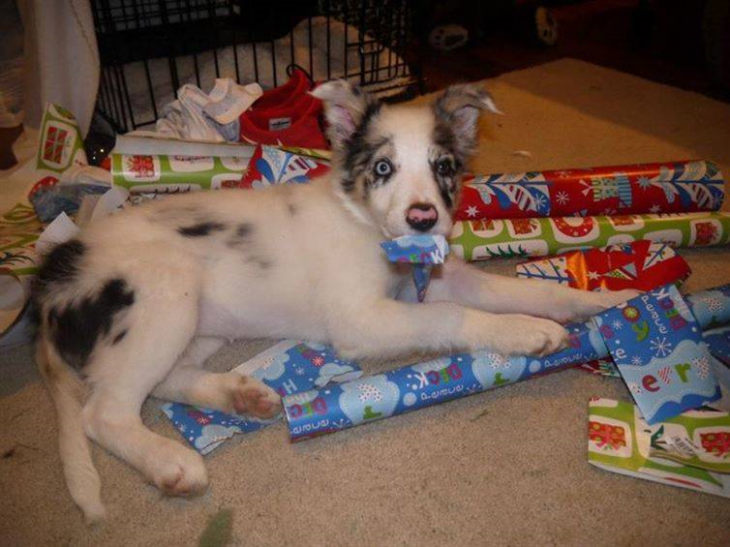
(67,391)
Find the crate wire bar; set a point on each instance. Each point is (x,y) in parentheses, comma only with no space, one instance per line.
(149,48)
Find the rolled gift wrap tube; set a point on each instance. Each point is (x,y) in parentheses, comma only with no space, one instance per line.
(367,399)
(711,307)
(177,173)
(484,239)
(318,412)
(669,187)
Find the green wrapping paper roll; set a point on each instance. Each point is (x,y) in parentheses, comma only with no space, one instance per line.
(483,239)
(175,173)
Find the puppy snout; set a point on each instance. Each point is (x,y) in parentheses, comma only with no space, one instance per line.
(422,216)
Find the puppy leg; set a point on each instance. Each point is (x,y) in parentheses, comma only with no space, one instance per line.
(161,325)
(470,286)
(388,327)
(228,392)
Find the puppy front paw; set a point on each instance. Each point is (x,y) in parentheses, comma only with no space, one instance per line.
(526,335)
(593,303)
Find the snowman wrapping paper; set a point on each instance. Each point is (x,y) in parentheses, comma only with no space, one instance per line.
(370,398)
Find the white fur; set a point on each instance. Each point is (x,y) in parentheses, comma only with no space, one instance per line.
(311,269)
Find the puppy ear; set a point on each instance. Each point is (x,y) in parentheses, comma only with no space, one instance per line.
(345,108)
(459,108)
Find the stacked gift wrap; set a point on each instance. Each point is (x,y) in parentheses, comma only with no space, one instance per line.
(550,212)
(672,187)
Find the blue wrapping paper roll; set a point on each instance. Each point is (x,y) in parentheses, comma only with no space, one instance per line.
(367,399)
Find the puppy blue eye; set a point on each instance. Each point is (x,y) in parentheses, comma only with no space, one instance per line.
(443,168)
(383,168)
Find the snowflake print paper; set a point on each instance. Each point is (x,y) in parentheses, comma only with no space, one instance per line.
(661,346)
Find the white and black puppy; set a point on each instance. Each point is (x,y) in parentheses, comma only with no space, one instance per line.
(136,303)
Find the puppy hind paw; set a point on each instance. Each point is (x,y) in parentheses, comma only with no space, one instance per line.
(254,398)
(525,335)
(182,474)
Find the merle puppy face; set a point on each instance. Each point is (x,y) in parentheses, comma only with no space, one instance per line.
(400,167)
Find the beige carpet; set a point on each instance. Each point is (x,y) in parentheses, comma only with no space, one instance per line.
(507,467)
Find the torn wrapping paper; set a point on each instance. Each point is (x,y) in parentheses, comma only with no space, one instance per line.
(711,307)
(483,239)
(698,438)
(19,230)
(718,341)
(657,346)
(601,367)
(422,252)
(620,440)
(670,187)
(60,144)
(288,367)
(63,176)
(271,165)
(642,265)
(322,411)
(62,198)
(199,116)
(175,173)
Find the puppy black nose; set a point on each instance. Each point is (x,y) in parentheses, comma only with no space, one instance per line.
(422,216)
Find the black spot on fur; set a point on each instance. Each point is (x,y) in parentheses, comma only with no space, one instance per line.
(62,263)
(243,230)
(201,229)
(241,236)
(119,337)
(447,144)
(348,184)
(76,328)
(358,151)
(59,267)
(242,240)
(443,136)
(446,182)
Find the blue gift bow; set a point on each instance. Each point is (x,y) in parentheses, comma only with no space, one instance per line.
(422,252)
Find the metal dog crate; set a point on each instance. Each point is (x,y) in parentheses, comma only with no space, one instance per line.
(149,48)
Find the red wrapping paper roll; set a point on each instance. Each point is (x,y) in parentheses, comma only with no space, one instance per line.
(672,187)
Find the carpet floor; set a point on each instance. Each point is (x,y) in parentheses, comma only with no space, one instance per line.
(507,467)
